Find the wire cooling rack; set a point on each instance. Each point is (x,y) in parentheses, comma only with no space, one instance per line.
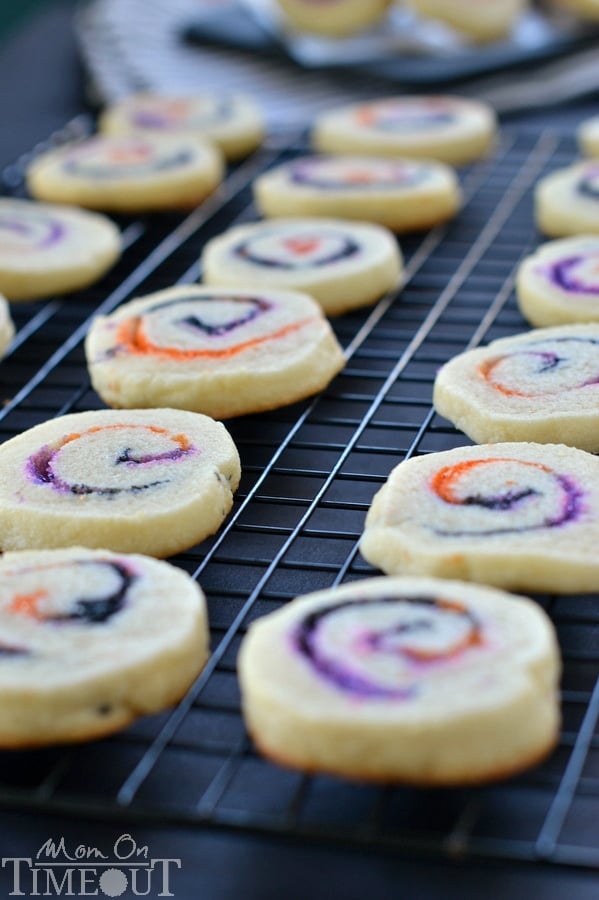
(309,473)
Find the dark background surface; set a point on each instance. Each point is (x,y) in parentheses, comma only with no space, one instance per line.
(42,85)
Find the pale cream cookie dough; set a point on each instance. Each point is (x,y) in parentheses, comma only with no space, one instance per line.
(412,680)
(7,328)
(340,264)
(221,351)
(479,20)
(541,386)
(233,122)
(559,282)
(567,201)
(584,9)
(452,130)
(91,640)
(588,137)
(128,173)
(403,195)
(144,481)
(333,18)
(47,249)
(521,516)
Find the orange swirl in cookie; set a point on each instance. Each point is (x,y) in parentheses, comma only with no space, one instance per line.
(334,173)
(122,157)
(107,460)
(382,648)
(175,113)
(406,114)
(184,329)
(503,495)
(544,367)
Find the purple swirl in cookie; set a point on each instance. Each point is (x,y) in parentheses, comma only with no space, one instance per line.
(588,183)
(255,307)
(543,368)
(577,274)
(355,174)
(302,250)
(375,648)
(43,467)
(405,116)
(20,231)
(100,158)
(534,496)
(168,113)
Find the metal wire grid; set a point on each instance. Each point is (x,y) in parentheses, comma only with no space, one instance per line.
(310,471)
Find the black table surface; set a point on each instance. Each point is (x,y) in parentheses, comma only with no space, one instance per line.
(42,85)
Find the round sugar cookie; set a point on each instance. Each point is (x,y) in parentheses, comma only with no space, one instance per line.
(403,679)
(515,515)
(148,481)
(490,20)
(47,249)
(342,265)
(91,640)
(404,195)
(233,122)
(542,386)
(559,283)
(567,201)
(128,173)
(221,351)
(588,136)
(7,328)
(333,18)
(452,130)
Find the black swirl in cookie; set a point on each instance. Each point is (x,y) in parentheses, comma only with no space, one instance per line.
(171,113)
(297,250)
(40,592)
(21,232)
(138,450)
(588,183)
(103,158)
(252,308)
(578,274)
(404,117)
(355,174)
(377,648)
(503,496)
(544,367)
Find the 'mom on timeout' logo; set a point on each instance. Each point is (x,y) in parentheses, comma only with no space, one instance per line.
(88,872)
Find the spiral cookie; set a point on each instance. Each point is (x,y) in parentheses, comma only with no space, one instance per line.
(404,195)
(46,249)
(403,679)
(453,130)
(481,22)
(92,640)
(128,173)
(559,283)
(150,481)
(567,201)
(7,328)
(542,386)
(333,18)
(515,515)
(588,136)
(341,265)
(233,122)
(220,351)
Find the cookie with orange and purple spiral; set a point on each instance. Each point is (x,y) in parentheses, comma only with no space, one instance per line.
(413,680)
(147,481)
(402,194)
(90,640)
(515,515)
(541,386)
(128,173)
(220,351)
